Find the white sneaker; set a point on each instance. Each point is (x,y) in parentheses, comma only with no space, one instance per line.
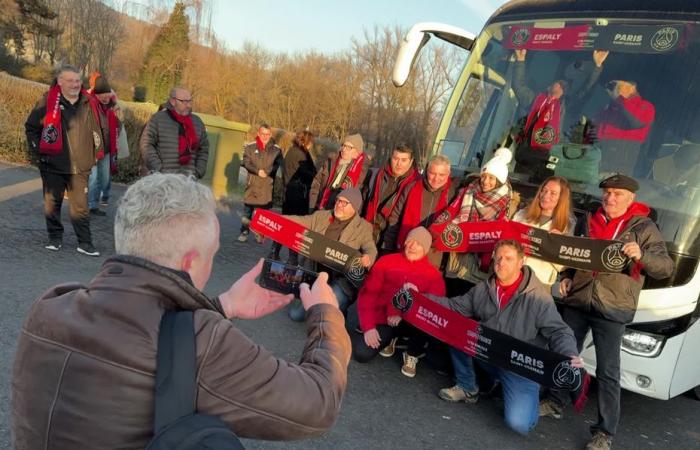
(243,237)
(409,365)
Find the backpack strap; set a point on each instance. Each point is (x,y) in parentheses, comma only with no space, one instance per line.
(176,370)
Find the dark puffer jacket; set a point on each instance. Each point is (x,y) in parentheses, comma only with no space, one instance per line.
(615,295)
(159,144)
(84,371)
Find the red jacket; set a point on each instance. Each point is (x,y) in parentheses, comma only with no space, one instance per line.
(627,119)
(387,276)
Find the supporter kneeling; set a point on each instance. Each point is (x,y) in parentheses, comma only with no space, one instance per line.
(515,302)
(379,319)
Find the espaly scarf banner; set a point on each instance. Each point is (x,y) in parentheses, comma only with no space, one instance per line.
(313,245)
(542,366)
(599,255)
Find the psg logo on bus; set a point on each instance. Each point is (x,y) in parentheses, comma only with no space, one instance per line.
(545,135)
(50,134)
(452,236)
(565,376)
(664,39)
(612,257)
(356,271)
(520,37)
(402,300)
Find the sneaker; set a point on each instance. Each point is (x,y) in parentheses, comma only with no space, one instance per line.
(259,238)
(243,237)
(389,350)
(97,212)
(54,245)
(600,441)
(456,394)
(409,365)
(88,249)
(104,202)
(550,409)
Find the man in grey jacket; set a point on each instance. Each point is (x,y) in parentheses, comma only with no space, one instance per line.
(175,140)
(605,302)
(84,371)
(515,302)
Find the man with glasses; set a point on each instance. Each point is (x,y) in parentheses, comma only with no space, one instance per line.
(345,170)
(261,158)
(175,140)
(343,224)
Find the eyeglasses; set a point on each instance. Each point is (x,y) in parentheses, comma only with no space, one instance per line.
(342,203)
(183,100)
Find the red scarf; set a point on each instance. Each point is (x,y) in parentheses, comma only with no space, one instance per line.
(413,207)
(545,114)
(352,178)
(390,203)
(259,144)
(51,142)
(505,293)
(113,126)
(188,142)
(600,227)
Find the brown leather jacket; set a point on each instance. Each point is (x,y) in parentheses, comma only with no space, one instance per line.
(84,370)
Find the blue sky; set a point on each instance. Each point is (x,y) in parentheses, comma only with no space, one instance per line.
(328,26)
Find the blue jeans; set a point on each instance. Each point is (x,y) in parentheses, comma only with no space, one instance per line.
(99,183)
(521,396)
(296,310)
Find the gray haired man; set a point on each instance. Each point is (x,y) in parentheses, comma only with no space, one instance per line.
(87,351)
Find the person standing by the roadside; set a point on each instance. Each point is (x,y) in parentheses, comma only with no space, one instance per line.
(64,136)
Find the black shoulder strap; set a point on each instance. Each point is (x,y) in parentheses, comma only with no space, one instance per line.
(176,369)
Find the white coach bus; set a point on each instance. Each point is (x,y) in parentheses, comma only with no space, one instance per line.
(595,49)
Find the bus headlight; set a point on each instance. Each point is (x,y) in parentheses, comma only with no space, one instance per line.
(642,344)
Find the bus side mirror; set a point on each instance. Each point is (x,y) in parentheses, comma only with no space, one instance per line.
(417,37)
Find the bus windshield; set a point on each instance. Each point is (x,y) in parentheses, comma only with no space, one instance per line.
(585,99)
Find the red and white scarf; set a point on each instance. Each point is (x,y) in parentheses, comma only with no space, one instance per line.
(544,118)
(477,205)
(51,142)
(414,205)
(351,179)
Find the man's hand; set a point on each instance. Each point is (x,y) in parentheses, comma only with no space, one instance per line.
(599,57)
(262,173)
(577,361)
(246,299)
(565,286)
(320,292)
(393,321)
(520,54)
(632,250)
(366,261)
(372,338)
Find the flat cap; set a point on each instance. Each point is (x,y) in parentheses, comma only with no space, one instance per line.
(620,181)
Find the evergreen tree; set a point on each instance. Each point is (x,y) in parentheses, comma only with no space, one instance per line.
(165,59)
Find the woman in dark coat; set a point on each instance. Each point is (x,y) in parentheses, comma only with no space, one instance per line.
(297,174)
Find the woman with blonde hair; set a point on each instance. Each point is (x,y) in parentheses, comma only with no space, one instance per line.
(549,210)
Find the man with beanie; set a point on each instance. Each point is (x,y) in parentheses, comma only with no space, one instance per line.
(175,140)
(261,158)
(379,320)
(64,137)
(605,302)
(99,182)
(513,301)
(420,205)
(342,224)
(345,170)
(384,188)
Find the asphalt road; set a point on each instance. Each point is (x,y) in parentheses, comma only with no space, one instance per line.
(382,408)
